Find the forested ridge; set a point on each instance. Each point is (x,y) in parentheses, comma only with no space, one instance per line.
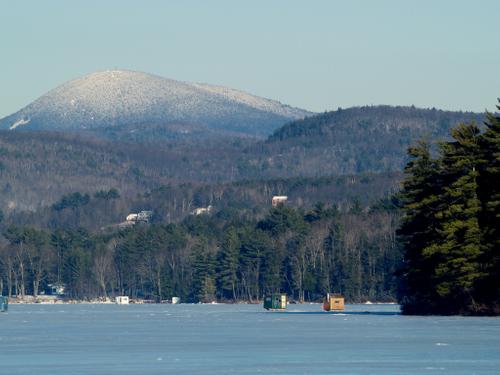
(358,139)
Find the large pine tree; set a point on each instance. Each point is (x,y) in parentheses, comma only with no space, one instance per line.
(227,265)
(489,220)
(203,269)
(458,245)
(420,199)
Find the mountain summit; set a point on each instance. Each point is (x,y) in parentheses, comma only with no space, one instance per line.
(120,98)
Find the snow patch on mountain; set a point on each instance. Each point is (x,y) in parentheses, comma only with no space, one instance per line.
(19,123)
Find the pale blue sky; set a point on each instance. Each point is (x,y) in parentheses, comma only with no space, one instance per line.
(318,55)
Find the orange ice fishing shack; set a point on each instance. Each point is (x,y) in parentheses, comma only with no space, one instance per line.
(333,302)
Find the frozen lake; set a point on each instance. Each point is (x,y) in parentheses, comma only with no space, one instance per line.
(241,339)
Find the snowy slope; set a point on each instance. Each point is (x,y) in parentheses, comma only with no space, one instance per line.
(121,98)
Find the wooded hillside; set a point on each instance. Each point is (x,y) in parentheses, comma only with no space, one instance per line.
(37,168)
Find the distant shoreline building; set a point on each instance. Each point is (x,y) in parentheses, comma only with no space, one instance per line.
(201,210)
(122,300)
(279,199)
(56,289)
(144,216)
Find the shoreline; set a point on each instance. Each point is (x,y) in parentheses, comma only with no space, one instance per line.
(30,300)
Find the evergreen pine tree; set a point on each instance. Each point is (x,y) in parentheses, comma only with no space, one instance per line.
(202,263)
(489,220)
(420,198)
(227,267)
(458,246)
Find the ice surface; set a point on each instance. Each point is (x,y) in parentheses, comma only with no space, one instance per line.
(241,339)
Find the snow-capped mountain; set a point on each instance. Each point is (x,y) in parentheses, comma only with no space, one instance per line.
(120,98)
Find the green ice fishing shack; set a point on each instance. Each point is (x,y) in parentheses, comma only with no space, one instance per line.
(4,304)
(275,301)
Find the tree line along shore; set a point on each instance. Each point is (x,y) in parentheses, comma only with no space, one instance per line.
(221,256)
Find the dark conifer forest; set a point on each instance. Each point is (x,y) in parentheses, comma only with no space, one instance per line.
(449,229)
